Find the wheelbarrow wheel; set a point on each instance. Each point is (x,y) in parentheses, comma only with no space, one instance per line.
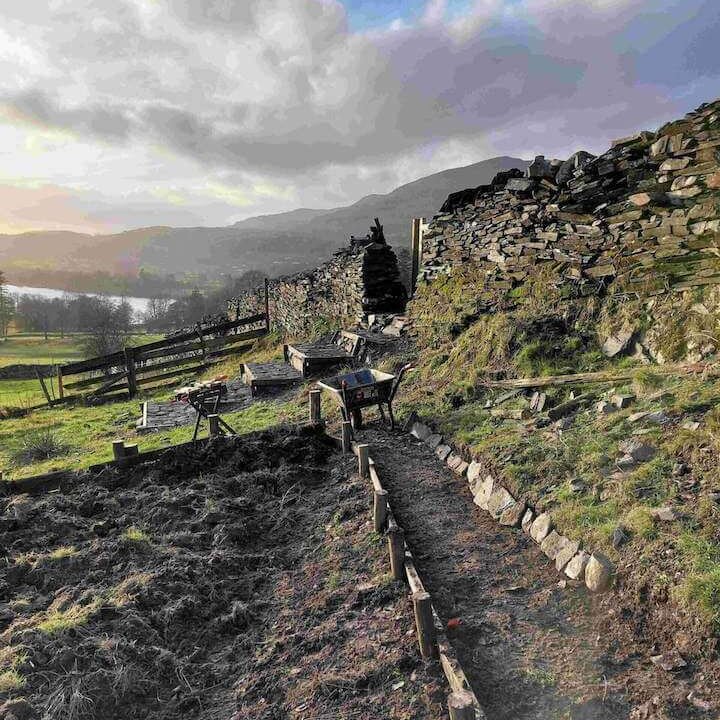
(356,419)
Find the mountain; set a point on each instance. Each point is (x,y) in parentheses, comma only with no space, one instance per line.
(277,244)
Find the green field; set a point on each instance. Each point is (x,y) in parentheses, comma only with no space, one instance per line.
(33,348)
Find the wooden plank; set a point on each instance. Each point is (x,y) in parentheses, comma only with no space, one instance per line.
(97,363)
(41,380)
(196,345)
(230,351)
(110,385)
(603,376)
(175,373)
(88,382)
(222,327)
(177,362)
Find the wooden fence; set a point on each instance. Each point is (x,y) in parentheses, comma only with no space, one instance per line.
(122,374)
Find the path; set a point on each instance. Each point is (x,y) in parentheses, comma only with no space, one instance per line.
(529,646)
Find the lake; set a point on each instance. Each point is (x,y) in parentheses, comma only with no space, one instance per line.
(139,305)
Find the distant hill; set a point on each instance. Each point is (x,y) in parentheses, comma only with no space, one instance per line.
(276,244)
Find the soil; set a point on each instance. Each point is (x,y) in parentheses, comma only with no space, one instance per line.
(238,581)
(532,645)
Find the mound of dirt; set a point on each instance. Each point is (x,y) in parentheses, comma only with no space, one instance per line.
(237,581)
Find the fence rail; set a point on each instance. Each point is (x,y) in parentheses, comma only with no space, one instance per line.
(122,373)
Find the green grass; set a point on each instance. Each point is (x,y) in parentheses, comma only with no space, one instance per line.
(89,431)
(135,535)
(22,393)
(701,587)
(58,621)
(11,680)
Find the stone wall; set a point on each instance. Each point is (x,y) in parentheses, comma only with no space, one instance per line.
(361,278)
(642,218)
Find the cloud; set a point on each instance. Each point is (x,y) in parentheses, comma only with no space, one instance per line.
(282,94)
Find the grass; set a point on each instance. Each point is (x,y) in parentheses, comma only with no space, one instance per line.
(135,535)
(59,621)
(701,587)
(87,432)
(11,680)
(22,393)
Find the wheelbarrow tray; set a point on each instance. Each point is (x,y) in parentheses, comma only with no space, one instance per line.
(362,388)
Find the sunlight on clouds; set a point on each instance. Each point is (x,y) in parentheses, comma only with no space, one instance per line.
(231,195)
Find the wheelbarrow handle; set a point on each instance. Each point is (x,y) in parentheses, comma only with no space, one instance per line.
(398,379)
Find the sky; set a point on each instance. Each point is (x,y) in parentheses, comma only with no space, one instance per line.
(117,114)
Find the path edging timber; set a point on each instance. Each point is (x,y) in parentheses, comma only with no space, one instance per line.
(432,639)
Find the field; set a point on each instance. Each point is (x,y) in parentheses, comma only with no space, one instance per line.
(34,349)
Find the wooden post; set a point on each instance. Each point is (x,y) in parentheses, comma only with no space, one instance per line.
(396,545)
(61,389)
(415,251)
(363,460)
(380,508)
(424,624)
(118,447)
(131,450)
(315,406)
(214,422)
(130,367)
(267,304)
(346,436)
(460,705)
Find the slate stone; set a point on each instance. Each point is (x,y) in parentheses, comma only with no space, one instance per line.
(512,515)
(499,500)
(566,553)
(433,440)
(484,492)
(638,450)
(527,520)
(420,430)
(575,569)
(442,451)
(541,527)
(598,573)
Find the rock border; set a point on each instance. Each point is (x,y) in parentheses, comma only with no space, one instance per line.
(593,569)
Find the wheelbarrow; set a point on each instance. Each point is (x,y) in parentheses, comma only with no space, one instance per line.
(354,391)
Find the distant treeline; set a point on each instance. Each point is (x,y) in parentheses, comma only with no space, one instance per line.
(164,314)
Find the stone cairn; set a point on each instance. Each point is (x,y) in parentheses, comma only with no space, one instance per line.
(359,279)
(643,218)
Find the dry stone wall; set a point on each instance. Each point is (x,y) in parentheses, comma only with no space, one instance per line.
(361,278)
(642,218)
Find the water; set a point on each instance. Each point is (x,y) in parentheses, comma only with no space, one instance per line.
(139,305)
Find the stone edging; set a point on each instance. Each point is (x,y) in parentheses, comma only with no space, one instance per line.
(593,569)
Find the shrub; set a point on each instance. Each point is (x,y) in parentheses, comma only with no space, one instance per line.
(38,446)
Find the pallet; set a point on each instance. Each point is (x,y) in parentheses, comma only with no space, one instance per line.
(311,360)
(270,375)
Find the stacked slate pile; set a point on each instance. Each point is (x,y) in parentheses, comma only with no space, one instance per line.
(643,217)
(383,290)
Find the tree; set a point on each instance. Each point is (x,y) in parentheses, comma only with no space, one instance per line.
(7,307)
(106,325)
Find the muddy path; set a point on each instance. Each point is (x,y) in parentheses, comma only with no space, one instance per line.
(531,647)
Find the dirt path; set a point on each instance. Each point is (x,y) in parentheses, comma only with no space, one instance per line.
(529,646)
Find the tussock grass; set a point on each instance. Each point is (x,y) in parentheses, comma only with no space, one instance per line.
(38,446)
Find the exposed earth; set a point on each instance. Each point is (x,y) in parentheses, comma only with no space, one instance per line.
(240,581)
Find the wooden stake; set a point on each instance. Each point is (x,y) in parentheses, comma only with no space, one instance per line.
(346,436)
(380,508)
(424,624)
(396,545)
(118,447)
(132,450)
(315,406)
(460,705)
(130,367)
(61,389)
(214,422)
(363,460)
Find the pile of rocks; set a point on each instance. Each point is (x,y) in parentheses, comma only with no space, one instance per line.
(643,217)
(359,279)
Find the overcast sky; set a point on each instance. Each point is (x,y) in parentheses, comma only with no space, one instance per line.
(125,113)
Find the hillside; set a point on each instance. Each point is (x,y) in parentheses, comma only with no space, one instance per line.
(276,244)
